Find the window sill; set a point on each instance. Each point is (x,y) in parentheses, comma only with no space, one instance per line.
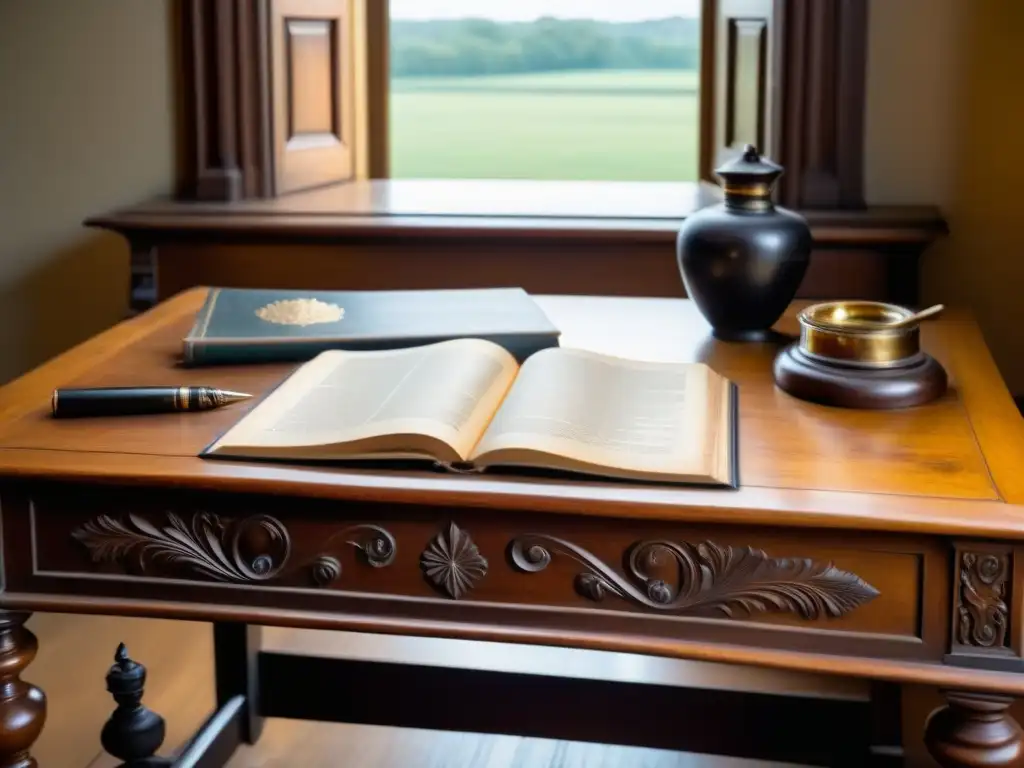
(578,211)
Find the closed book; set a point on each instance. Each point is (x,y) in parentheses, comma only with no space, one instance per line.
(245,325)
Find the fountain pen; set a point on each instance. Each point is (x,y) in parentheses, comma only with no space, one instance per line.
(133,401)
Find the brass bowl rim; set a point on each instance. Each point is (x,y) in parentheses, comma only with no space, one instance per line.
(806,318)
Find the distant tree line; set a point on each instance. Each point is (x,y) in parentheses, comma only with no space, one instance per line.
(482,47)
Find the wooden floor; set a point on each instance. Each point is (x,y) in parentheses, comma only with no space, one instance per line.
(288,744)
(75,653)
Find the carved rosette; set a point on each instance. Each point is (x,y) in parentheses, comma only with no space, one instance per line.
(983,615)
(255,549)
(730,580)
(452,562)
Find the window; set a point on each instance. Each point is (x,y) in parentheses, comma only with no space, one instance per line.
(544,89)
(787,75)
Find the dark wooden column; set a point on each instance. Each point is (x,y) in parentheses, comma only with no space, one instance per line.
(225,68)
(270,95)
(820,63)
(788,76)
(22,705)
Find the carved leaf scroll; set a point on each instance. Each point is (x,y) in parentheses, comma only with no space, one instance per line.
(255,549)
(208,547)
(984,617)
(731,580)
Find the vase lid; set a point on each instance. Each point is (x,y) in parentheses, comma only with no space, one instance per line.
(747,180)
(750,165)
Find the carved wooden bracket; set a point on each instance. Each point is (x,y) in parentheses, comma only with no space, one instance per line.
(732,581)
(980,627)
(254,550)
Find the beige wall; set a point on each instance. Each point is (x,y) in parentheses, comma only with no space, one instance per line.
(86,123)
(945,117)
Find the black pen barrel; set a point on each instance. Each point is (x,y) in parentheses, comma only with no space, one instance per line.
(115,401)
(133,401)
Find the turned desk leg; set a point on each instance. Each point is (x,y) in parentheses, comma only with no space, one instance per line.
(975,731)
(22,705)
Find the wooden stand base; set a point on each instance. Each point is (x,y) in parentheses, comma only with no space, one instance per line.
(974,731)
(923,379)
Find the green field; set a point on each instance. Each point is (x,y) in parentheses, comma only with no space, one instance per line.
(636,125)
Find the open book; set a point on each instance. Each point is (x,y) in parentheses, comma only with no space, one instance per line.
(467,404)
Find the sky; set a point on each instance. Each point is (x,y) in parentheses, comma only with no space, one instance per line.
(527,10)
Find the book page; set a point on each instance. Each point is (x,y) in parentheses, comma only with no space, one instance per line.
(447,391)
(656,418)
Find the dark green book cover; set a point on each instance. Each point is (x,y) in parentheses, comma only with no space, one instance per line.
(247,325)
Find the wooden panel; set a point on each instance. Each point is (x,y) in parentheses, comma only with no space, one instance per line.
(312,104)
(694,580)
(495,262)
(313,92)
(736,79)
(986,580)
(747,82)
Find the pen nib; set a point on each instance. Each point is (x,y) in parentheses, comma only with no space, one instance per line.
(227,396)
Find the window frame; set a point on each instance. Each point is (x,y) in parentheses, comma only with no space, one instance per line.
(813,89)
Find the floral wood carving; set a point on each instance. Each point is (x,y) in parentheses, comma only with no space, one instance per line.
(255,549)
(452,562)
(735,581)
(983,611)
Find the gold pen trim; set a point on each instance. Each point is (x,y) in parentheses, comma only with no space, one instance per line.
(53,402)
(182,398)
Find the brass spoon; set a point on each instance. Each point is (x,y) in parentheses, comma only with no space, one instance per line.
(917,317)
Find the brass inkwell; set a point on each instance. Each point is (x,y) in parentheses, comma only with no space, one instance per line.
(861,354)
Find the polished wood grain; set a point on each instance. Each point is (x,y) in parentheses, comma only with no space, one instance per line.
(316,745)
(549,237)
(881,502)
(931,454)
(594,210)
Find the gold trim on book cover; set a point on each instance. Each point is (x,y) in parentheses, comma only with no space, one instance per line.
(204,324)
(300,312)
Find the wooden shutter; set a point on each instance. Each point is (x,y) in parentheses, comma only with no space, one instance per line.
(789,77)
(736,79)
(313,92)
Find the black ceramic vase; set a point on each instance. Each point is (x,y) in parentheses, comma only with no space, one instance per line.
(742,260)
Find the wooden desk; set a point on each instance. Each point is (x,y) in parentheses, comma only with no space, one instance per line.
(887,546)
